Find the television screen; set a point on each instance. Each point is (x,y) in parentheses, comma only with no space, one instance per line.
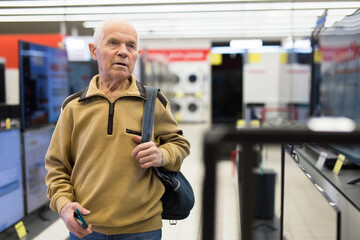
(339,87)
(80,74)
(338,83)
(44,83)
(36,143)
(11,182)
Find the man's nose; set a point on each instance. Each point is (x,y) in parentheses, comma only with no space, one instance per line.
(122,50)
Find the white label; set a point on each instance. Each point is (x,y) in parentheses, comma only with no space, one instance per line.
(321,160)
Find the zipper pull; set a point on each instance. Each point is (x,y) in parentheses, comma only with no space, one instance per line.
(111,110)
(111,118)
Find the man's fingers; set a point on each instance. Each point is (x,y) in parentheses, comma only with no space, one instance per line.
(67,214)
(146,159)
(83,210)
(137,139)
(144,149)
(147,153)
(79,230)
(141,147)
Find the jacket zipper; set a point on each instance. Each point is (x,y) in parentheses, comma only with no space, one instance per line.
(111,118)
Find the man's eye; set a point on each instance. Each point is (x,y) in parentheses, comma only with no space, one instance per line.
(113,43)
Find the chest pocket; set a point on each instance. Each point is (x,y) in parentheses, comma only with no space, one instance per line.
(130,131)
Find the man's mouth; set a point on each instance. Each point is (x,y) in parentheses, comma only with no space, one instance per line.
(121,64)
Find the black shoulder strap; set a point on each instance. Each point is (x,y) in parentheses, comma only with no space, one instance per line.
(148,116)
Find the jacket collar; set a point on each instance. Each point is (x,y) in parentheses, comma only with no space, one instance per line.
(136,89)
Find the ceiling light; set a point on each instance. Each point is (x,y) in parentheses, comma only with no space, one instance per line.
(246,44)
(226,50)
(298,44)
(331,124)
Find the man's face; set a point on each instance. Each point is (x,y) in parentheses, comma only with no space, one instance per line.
(117,52)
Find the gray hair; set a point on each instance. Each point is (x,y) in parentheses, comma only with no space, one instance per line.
(99,30)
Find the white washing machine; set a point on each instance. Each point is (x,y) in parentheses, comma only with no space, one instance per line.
(193,109)
(193,81)
(191,76)
(178,109)
(191,90)
(178,71)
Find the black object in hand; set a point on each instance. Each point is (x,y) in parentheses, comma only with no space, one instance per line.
(79,218)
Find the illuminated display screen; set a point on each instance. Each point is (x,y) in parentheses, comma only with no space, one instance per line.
(339,77)
(44,83)
(11,182)
(36,143)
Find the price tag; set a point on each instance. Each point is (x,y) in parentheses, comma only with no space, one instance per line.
(338,164)
(255,123)
(240,123)
(321,160)
(8,123)
(20,229)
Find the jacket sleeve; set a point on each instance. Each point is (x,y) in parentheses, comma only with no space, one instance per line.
(59,167)
(169,137)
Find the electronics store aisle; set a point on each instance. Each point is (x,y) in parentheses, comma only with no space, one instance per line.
(189,229)
(307,214)
(304,219)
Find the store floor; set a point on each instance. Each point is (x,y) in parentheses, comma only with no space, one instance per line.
(227,212)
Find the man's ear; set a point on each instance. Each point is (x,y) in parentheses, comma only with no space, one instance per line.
(92,50)
(140,51)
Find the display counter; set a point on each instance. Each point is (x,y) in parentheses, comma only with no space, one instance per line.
(248,138)
(331,181)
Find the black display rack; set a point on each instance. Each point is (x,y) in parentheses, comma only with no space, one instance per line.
(248,138)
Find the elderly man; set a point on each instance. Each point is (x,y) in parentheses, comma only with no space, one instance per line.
(96,162)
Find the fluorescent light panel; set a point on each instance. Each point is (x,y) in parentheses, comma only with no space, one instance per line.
(246,43)
(214,23)
(233,16)
(98,2)
(227,35)
(258,4)
(263,18)
(220,15)
(177,8)
(219,31)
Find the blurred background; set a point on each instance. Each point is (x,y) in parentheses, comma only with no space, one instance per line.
(234,63)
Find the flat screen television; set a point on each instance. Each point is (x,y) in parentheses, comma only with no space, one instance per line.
(11,181)
(36,142)
(80,74)
(44,83)
(337,90)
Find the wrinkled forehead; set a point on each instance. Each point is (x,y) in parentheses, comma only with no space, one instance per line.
(120,27)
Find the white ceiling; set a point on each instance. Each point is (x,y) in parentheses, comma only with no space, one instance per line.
(215,20)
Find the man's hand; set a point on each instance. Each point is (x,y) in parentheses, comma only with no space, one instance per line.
(147,154)
(67,215)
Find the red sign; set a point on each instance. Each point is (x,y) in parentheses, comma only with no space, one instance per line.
(178,55)
(341,54)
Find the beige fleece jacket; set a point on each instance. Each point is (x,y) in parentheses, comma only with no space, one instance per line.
(89,159)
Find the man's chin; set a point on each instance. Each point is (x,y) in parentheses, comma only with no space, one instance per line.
(122,75)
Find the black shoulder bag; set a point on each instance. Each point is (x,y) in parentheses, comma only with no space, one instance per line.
(178,199)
